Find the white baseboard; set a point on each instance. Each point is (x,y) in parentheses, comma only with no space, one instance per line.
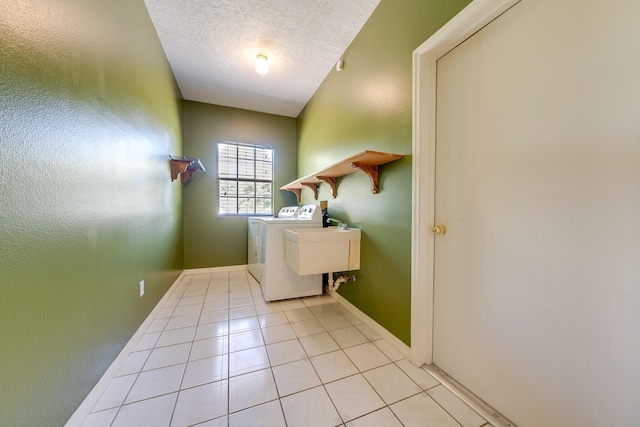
(215,269)
(404,349)
(94,395)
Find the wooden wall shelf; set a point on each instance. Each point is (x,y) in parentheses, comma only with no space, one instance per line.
(367,161)
(185,167)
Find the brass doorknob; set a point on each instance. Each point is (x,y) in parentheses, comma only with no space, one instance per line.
(440,229)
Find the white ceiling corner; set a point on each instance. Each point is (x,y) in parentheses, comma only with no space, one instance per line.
(211,46)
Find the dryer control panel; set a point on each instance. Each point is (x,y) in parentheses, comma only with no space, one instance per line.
(310,212)
(304,212)
(288,212)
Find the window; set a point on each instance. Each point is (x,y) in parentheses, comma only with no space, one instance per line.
(245,179)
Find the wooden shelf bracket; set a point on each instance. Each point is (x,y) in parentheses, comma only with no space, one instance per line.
(332,183)
(313,186)
(371,171)
(297,192)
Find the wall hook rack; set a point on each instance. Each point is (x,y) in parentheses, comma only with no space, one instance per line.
(185,167)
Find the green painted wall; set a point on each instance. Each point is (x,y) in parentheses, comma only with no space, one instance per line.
(212,241)
(88,114)
(367,106)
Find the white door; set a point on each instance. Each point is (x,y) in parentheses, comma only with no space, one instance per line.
(537,281)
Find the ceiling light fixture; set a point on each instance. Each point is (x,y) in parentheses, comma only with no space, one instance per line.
(262,64)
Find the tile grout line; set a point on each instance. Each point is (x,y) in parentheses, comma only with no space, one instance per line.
(227,339)
(184,373)
(142,369)
(358,373)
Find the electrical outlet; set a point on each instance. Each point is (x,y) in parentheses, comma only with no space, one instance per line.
(141,287)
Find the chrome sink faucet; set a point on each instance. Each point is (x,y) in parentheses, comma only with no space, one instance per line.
(341,225)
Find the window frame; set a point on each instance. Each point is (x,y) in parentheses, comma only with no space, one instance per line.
(237,179)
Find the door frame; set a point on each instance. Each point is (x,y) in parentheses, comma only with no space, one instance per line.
(462,26)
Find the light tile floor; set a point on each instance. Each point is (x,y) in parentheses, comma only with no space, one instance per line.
(217,355)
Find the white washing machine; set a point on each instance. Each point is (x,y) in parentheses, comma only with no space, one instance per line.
(266,257)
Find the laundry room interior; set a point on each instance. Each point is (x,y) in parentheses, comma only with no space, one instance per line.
(112,224)
(384,218)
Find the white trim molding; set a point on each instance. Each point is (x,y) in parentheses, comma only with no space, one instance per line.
(471,19)
(209,270)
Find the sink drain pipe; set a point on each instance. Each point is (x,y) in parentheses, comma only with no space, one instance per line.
(334,285)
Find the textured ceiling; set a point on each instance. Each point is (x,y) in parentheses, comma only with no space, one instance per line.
(212,45)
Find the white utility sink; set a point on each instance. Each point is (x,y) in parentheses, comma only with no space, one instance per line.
(322,250)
